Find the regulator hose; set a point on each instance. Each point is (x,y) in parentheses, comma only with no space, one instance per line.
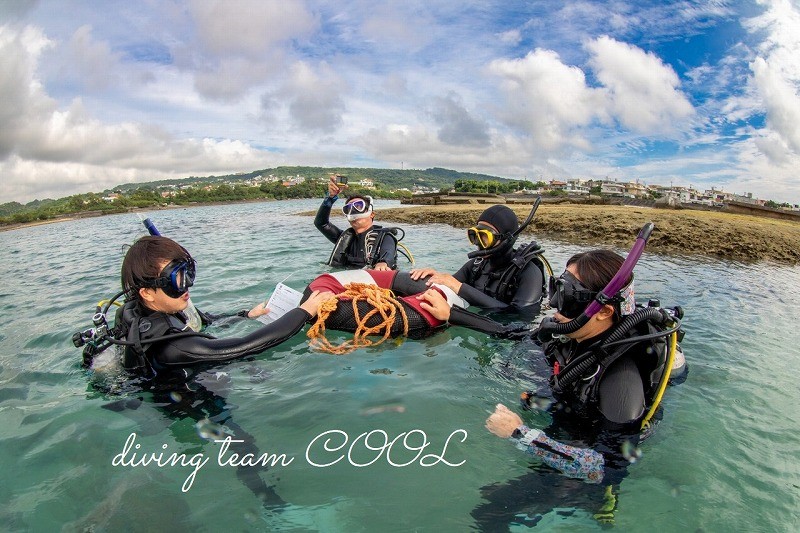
(573,371)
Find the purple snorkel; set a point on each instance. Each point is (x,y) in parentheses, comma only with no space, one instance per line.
(550,327)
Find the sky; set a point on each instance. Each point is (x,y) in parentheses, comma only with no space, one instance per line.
(94,94)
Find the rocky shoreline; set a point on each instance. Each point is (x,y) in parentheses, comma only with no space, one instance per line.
(715,234)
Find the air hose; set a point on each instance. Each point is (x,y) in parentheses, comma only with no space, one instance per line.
(573,371)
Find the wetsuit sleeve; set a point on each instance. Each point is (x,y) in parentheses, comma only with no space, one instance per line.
(472,295)
(462,317)
(197,349)
(322,220)
(480,299)
(463,273)
(387,253)
(621,392)
(527,299)
(529,290)
(572,461)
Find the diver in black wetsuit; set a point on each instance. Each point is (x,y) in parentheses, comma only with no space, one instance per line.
(362,244)
(498,277)
(606,381)
(153,325)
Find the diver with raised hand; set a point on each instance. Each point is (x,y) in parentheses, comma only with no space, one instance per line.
(157,335)
(609,363)
(497,277)
(363,244)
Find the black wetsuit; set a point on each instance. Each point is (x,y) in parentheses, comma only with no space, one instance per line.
(352,250)
(481,279)
(187,348)
(601,410)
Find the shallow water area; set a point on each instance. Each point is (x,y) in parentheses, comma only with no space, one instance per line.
(724,457)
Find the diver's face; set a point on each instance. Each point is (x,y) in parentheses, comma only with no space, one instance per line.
(158,300)
(360,225)
(598,323)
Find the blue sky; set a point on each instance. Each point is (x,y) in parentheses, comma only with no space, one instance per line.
(701,93)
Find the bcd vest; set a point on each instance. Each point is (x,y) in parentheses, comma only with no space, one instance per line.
(341,256)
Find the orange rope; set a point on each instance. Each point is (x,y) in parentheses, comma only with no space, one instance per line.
(382,301)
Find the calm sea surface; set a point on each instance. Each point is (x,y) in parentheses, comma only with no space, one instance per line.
(726,456)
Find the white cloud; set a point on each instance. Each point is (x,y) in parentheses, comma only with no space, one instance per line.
(88,62)
(248,28)
(512,37)
(23,98)
(782,103)
(313,96)
(643,91)
(239,44)
(548,100)
(44,148)
(776,80)
(456,125)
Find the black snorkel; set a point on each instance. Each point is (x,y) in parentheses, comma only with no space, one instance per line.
(507,238)
(550,326)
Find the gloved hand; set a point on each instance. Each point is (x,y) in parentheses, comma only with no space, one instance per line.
(544,333)
(517,331)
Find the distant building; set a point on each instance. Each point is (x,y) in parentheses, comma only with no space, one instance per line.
(612,188)
(576,186)
(294,180)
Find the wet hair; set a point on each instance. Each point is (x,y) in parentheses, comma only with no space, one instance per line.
(596,268)
(145,259)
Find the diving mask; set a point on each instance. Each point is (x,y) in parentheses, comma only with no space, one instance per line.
(175,278)
(571,297)
(482,237)
(568,295)
(357,208)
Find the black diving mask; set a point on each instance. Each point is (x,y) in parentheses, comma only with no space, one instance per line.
(569,295)
(175,278)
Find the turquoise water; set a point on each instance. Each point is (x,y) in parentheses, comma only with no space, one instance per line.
(725,457)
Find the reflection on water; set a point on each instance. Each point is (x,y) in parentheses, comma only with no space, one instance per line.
(724,456)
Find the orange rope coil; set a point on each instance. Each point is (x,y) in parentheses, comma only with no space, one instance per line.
(383,302)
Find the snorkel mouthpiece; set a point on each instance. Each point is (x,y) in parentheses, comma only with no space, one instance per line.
(550,326)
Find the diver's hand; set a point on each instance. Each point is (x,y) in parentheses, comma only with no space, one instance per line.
(445,279)
(381,266)
(311,305)
(434,303)
(517,331)
(257,311)
(334,188)
(417,273)
(503,421)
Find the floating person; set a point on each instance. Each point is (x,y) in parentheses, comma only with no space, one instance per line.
(363,244)
(387,304)
(610,362)
(498,277)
